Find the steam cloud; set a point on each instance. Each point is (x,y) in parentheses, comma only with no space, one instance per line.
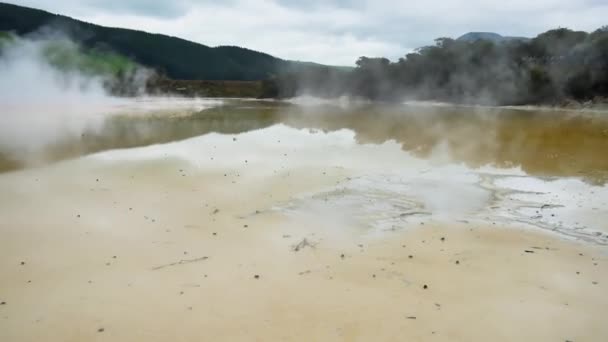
(43,104)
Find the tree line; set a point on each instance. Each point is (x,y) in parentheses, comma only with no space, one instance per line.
(557,65)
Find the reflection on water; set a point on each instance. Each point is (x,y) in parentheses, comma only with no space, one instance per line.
(542,143)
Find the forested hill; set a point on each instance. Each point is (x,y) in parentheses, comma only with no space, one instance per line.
(174,57)
(491,36)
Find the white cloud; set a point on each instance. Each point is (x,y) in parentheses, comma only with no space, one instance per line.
(333,32)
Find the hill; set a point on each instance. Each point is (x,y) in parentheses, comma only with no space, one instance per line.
(491,36)
(173,57)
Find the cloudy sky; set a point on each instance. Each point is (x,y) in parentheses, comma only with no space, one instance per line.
(332,31)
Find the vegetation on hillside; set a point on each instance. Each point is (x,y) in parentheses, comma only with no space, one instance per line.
(555,66)
(67,56)
(170,56)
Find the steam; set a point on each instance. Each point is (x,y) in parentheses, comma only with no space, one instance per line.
(47,97)
(40,104)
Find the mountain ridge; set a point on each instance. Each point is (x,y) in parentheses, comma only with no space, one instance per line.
(491,36)
(180,58)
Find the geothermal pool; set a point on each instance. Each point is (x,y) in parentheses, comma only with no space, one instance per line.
(259,220)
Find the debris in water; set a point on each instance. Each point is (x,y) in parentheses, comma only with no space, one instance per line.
(181,262)
(303,244)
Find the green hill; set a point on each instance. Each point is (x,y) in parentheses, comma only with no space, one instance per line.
(174,57)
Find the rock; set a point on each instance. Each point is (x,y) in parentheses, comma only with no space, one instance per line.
(425,286)
(257,276)
(100,330)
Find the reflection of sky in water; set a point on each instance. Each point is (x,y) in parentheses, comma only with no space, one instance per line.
(388,189)
(543,143)
(459,164)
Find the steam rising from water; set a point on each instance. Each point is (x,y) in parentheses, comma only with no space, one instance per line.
(46,103)
(40,104)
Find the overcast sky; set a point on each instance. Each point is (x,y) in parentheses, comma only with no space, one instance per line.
(333,31)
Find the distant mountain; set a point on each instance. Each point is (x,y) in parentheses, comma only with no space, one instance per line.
(176,58)
(491,36)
